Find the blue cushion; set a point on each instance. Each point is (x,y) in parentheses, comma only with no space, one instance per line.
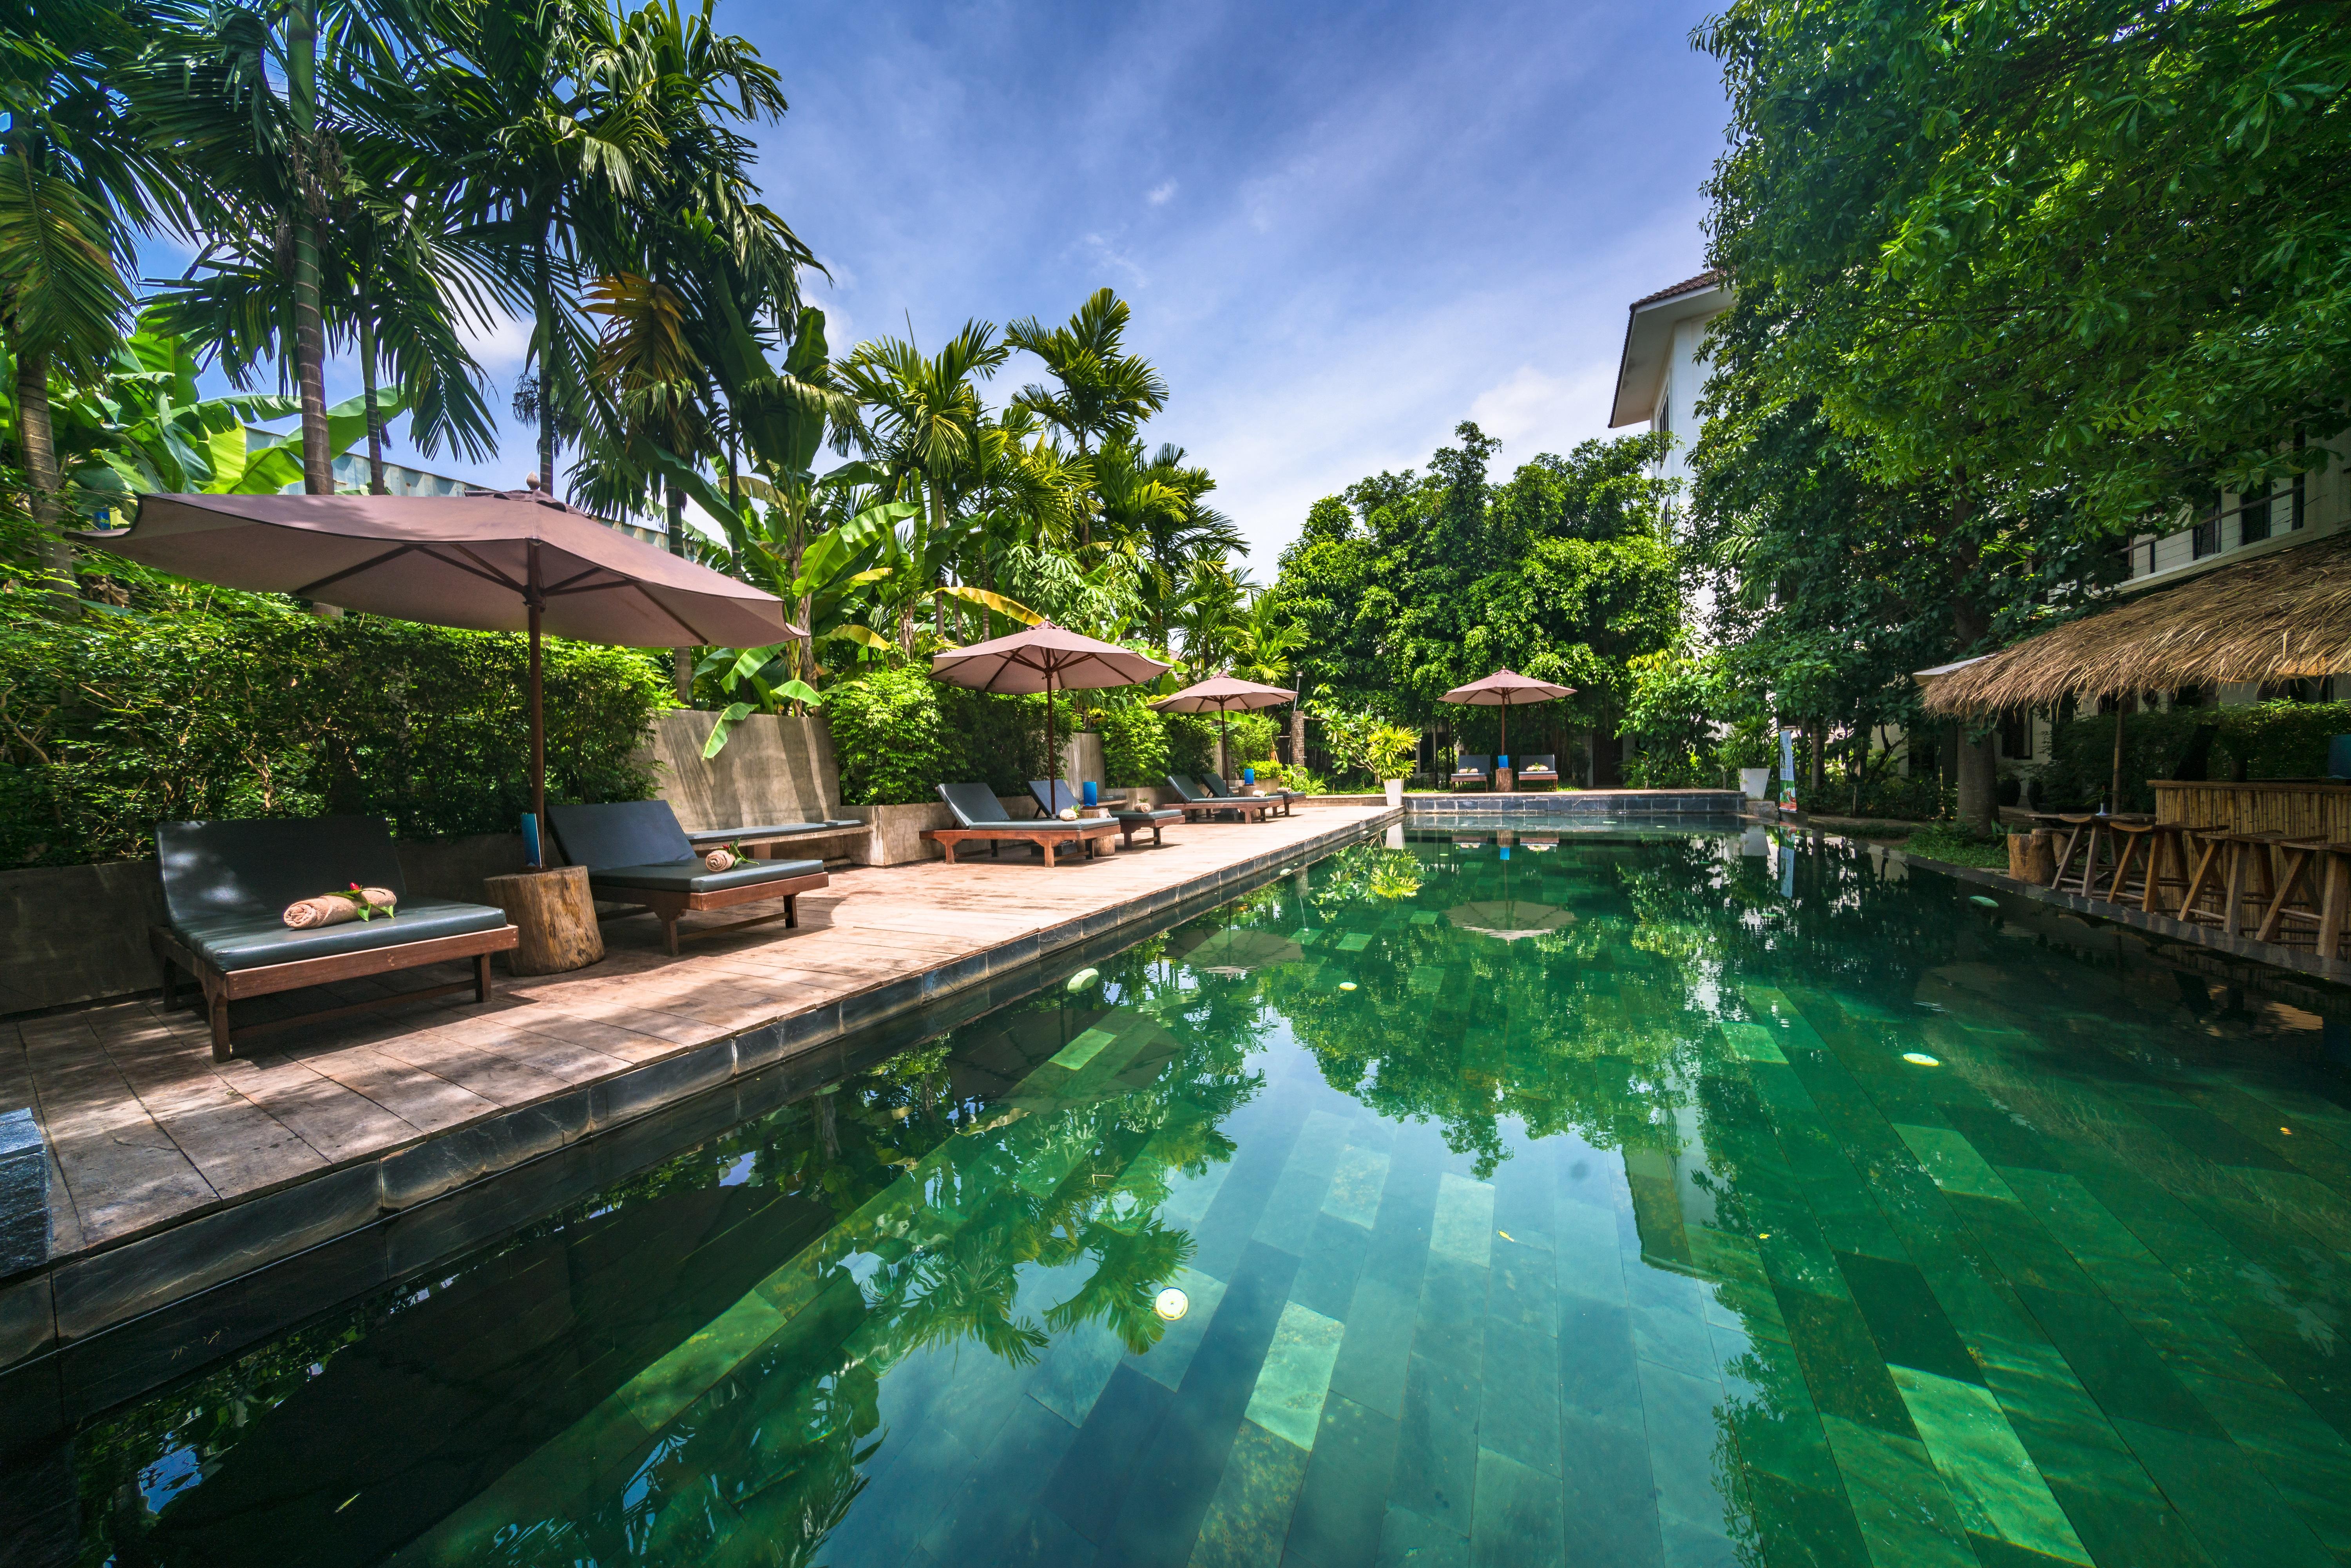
(258,866)
(622,833)
(249,940)
(704,838)
(670,877)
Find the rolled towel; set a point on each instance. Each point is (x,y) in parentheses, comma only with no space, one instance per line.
(720,860)
(334,908)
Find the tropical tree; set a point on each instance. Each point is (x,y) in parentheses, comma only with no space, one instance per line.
(1100,393)
(78,178)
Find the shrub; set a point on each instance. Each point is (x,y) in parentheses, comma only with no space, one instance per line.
(888,738)
(897,735)
(2263,740)
(249,708)
(1134,745)
(1191,742)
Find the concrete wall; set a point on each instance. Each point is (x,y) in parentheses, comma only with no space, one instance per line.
(772,769)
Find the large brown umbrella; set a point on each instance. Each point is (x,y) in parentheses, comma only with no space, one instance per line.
(1221,695)
(1506,689)
(1045,658)
(488,561)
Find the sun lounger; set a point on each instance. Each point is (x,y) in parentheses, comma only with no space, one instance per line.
(1541,770)
(226,886)
(979,815)
(1196,800)
(636,854)
(1474,770)
(1218,786)
(1129,819)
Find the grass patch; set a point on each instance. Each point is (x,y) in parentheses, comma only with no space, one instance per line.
(1950,842)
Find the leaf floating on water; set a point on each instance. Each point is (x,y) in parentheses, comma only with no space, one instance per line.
(1983,903)
(1082,979)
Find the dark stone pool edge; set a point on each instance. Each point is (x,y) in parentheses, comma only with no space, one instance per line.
(257,1267)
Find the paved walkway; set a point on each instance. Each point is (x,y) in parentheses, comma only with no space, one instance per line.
(148,1131)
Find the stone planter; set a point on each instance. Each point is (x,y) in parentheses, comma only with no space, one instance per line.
(1395,791)
(1754,782)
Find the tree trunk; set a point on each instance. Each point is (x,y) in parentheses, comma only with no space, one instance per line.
(543,280)
(43,482)
(1979,762)
(376,485)
(310,323)
(1296,736)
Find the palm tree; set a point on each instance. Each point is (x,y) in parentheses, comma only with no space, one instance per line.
(1102,393)
(924,426)
(76,178)
(1265,643)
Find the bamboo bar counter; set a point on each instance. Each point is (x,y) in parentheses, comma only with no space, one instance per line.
(2298,807)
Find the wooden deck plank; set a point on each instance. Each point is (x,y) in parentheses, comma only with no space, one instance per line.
(145,1126)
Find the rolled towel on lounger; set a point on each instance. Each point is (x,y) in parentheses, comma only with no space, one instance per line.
(334,908)
(721,860)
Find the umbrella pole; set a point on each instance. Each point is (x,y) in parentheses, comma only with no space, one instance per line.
(537,744)
(1053,756)
(2114,791)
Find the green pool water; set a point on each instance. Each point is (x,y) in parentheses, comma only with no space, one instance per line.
(1592,1196)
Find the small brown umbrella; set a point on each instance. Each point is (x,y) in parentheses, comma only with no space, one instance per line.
(1506,689)
(1221,695)
(1045,658)
(488,561)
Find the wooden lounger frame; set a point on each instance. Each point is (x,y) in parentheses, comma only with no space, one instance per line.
(1088,831)
(670,905)
(1262,805)
(221,987)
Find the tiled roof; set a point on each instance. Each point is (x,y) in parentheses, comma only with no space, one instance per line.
(1705,279)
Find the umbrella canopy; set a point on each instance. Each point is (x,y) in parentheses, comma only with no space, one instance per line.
(1506,689)
(1239,948)
(1045,658)
(475,562)
(490,561)
(1511,919)
(1221,695)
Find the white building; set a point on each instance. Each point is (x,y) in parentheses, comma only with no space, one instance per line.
(1663,367)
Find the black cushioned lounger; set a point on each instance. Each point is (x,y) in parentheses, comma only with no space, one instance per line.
(1131,820)
(636,854)
(226,886)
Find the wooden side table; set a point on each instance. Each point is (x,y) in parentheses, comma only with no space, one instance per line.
(1505,781)
(555,917)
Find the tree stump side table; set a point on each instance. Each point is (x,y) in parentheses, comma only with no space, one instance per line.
(1505,781)
(557,919)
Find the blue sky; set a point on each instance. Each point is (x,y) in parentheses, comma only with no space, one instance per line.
(1343,228)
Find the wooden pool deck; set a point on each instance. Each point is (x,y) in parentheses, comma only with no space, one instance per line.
(171,1173)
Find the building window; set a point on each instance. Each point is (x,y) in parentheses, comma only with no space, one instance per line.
(2254,516)
(2016,735)
(2205,538)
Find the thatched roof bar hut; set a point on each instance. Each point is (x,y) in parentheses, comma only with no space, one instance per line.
(2273,618)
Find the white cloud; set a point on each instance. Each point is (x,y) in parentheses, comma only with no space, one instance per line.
(1160,194)
(1099,247)
(500,345)
(1544,409)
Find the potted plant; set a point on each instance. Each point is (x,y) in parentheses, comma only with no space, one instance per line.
(1391,749)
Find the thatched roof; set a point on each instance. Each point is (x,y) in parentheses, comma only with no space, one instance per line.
(2272,618)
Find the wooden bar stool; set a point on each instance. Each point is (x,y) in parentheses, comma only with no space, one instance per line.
(2133,840)
(2081,832)
(2315,867)
(2236,866)
(2170,854)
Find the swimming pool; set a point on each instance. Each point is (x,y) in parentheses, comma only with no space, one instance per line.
(1596,1193)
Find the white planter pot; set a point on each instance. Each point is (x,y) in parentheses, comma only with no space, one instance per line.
(1752,782)
(1395,791)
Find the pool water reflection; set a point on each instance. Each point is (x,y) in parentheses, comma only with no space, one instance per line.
(1614,1195)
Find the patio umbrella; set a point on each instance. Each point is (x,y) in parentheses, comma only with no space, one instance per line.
(1221,695)
(1510,917)
(1506,689)
(1232,950)
(487,561)
(1045,658)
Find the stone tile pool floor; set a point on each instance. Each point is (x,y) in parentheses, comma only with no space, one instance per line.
(1595,1196)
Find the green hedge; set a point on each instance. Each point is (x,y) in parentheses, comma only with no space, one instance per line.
(2263,740)
(1134,746)
(897,735)
(251,708)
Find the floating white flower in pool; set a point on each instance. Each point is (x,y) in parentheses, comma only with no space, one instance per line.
(1919,1059)
(1172,1303)
(1083,977)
